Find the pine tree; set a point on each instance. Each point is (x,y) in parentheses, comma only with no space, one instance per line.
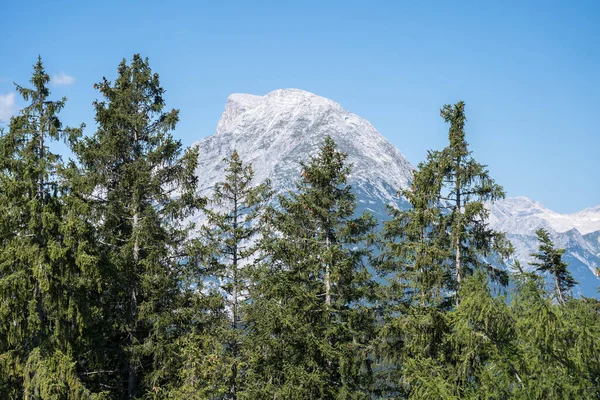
(549,260)
(309,316)
(582,330)
(483,362)
(427,251)
(227,244)
(463,185)
(141,188)
(46,266)
(416,298)
(557,344)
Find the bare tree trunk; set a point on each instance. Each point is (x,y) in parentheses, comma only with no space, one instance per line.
(458,268)
(558,291)
(419,260)
(131,381)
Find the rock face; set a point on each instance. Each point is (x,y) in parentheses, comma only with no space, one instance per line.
(578,233)
(277,131)
(523,215)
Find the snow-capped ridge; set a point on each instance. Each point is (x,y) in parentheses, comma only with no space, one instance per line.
(300,98)
(523,215)
(236,105)
(577,233)
(293,102)
(278,130)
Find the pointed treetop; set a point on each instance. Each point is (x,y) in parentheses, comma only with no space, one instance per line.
(455,116)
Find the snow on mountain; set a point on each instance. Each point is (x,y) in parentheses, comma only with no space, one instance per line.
(587,221)
(578,233)
(277,131)
(523,215)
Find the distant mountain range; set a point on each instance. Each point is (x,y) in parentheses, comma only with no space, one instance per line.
(578,233)
(277,131)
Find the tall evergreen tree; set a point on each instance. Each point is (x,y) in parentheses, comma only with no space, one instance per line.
(549,260)
(227,244)
(557,345)
(463,185)
(427,252)
(483,362)
(46,265)
(141,188)
(309,316)
(416,298)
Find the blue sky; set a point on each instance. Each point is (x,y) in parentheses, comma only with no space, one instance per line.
(529,71)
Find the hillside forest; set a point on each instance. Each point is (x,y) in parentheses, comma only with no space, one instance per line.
(109,289)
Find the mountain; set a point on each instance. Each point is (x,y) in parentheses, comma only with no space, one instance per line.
(523,215)
(578,233)
(277,131)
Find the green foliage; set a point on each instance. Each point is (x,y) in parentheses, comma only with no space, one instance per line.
(46,267)
(556,343)
(549,260)
(55,378)
(227,244)
(309,319)
(427,253)
(140,188)
(200,363)
(482,359)
(416,297)
(106,294)
(462,186)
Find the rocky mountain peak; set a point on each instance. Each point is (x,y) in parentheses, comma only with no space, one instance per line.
(277,131)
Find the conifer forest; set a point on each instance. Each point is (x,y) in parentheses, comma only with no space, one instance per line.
(109,289)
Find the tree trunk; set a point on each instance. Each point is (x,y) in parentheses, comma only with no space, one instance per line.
(131,381)
(419,261)
(558,291)
(37,338)
(234,293)
(458,259)
(131,376)
(458,268)
(131,373)
(327,276)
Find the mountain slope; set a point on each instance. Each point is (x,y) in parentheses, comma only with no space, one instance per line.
(523,215)
(578,233)
(277,131)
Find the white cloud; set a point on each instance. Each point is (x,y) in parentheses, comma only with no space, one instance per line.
(8,106)
(62,79)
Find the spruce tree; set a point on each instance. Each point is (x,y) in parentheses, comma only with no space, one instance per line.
(309,316)
(141,188)
(226,246)
(549,260)
(47,268)
(483,362)
(416,298)
(557,344)
(427,252)
(463,186)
